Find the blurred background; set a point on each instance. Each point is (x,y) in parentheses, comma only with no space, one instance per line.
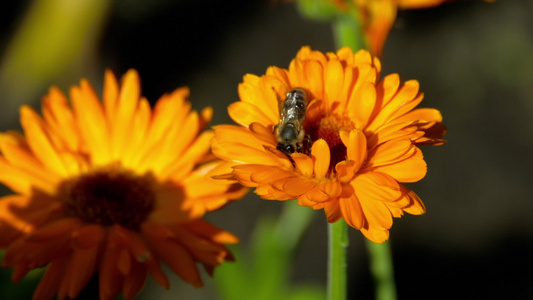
(474,61)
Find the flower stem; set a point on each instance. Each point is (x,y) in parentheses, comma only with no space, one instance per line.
(337,265)
(382,270)
(348,32)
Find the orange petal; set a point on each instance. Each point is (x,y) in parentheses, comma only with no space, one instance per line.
(316,195)
(334,79)
(207,230)
(81,267)
(110,95)
(314,77)
(174,255)
(362,57)
(315,110)
(303,163)
(134,281)
(36,212)
(251,175)
(376,213)
(40,143)
(392,152)
(332,210)
(411,169)
(377,186)
(410,4)
(263,133)
(267,191)
(49,283)
(355,144)
(59,116)
(125,262)
(128,98)
(204,251)
(303,200)
(55,229)
(256,91)
(109,277)
(346,54)
(421,114)
(375,235)
(331,188)
(385,90)
(416,206)
(280,74)
(169,115)
(405,99)
(362,104)
(383,14)
(19,271)
(346,170)
(267,174)
(133,242)
(88,236)
(351,208)
(294,187)
(321,156)
(405,130)
(137,142)
(91,122)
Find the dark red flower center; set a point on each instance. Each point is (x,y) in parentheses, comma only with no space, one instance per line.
(328,129)
(110,196)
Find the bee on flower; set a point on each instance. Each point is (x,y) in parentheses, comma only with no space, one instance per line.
(290,132)
(364,137)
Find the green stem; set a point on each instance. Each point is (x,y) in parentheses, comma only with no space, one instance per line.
(337,265)
(348,32)
(382,270)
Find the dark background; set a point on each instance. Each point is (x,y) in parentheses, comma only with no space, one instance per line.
(474,61)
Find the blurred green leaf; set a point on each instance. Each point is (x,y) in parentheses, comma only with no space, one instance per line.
(307,292)
(320,10)
(54,36)
(264,273)
(22,290)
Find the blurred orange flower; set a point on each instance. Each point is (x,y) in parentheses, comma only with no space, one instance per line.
(113,189)
(364,134)
(378,16)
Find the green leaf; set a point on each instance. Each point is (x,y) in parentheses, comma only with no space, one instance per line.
(320,10)
(264,272)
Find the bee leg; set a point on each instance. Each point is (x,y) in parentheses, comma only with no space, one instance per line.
(292,160)
(306,145)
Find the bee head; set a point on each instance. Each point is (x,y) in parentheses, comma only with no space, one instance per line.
(286,148)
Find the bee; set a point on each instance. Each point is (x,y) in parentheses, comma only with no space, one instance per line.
(290,131)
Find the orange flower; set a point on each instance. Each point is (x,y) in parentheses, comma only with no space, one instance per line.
(378,16)
(364,134)
(112,189)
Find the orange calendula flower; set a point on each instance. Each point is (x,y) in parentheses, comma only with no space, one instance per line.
(359,138)
(112,188)
(378,16)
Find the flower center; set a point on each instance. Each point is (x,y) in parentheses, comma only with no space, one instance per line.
(110,196)
(328,129)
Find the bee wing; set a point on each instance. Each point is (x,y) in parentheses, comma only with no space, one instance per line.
(280,105)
